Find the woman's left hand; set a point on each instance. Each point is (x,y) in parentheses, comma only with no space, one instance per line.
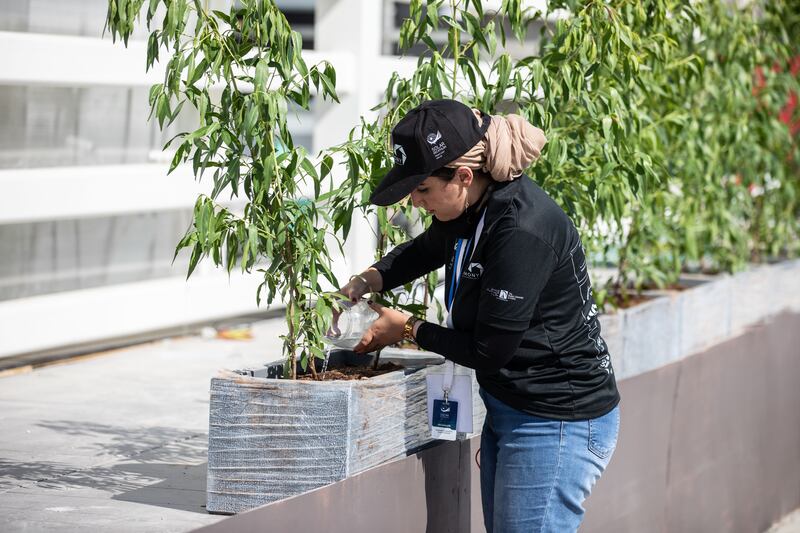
(387,329)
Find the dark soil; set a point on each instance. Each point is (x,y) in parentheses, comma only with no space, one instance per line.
(616,300)
(353,372)
(708,271)
(633,299)
(671,287)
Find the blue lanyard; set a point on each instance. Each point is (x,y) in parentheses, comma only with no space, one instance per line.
(460,257)
(458,261)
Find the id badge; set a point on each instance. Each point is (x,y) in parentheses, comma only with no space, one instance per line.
(449,403)
(444,419)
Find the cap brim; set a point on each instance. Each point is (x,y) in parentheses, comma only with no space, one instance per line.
(394,188)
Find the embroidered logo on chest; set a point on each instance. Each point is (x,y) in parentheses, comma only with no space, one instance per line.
(473,271)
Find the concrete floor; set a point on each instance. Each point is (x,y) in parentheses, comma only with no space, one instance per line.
(789,524)
(117,442)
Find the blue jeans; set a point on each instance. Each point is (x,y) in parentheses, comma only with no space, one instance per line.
(536,472)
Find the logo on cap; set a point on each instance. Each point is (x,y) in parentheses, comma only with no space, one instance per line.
(399,155)
(433,138)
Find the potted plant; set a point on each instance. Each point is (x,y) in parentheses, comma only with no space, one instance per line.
(242,70)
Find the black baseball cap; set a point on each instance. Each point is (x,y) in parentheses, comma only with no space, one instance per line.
(431,135)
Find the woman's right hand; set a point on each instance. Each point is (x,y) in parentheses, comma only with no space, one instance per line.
(368,281)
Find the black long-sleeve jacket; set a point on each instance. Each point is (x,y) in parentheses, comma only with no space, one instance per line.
(522,310)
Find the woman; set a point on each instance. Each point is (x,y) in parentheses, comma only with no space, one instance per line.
(521,310)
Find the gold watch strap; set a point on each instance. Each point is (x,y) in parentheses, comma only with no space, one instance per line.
(408,329)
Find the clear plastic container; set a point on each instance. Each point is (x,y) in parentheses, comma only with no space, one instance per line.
(350,324)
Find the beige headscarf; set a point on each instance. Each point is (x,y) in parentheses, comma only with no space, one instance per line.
(511,144)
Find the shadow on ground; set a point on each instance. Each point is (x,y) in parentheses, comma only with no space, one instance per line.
(159,466)
(182,487)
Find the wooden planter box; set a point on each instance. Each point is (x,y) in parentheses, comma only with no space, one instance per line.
(674,325)
(650,334)
(749,301)
(787,284)
(274,438)
(705,312)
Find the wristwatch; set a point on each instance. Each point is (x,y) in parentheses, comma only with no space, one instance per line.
(408,329)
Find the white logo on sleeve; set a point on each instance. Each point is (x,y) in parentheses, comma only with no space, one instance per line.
(399,155)
(504,295)
(433,138)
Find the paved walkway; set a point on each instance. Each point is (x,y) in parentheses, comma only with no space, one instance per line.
(116,442)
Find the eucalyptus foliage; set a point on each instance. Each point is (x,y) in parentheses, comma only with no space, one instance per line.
(241,70)
(664,144)
(577,88)
(729,161)
(655,141)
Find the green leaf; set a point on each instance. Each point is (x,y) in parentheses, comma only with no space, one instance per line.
(328,79)
(453,39)
(607,129)
(308,167)
(326,166)
(503,73)
(179,157)
(221,15)
(262,71)
(155,91)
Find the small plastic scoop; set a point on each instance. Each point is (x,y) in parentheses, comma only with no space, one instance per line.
(350,323)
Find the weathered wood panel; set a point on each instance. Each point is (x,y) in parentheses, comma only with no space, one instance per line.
(273,438)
